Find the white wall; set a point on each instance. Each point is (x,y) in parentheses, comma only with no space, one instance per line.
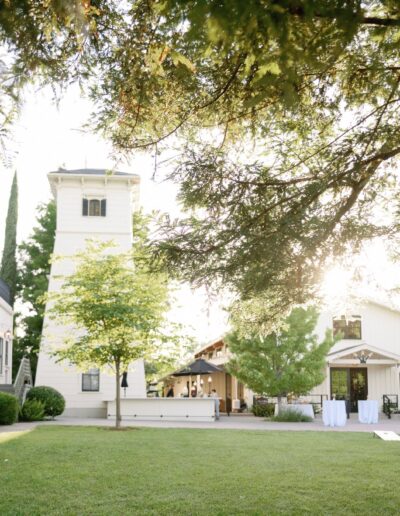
(119,206)
(73,231)
(6,325)
(164,409)
(380,327)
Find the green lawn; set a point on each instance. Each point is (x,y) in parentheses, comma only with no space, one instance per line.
(81,470)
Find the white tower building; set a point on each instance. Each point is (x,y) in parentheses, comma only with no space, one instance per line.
(91,204)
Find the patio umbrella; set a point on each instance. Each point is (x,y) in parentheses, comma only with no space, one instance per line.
(198,367)
(124,382)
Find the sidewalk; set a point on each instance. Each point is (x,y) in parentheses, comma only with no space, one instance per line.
(225,423)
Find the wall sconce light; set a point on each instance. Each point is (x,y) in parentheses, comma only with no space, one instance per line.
(362,357)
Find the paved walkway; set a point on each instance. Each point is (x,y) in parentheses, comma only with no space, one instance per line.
(225,423)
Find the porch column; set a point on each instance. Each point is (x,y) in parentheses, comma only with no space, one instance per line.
(236,402)
(328,380)
(235,387)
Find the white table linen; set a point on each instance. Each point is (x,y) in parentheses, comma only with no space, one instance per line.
(368,411)
(304,408)
(334,413)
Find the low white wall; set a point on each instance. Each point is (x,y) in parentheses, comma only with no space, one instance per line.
(164,409)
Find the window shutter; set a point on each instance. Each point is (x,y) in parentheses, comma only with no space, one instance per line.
(85,204)
(103,207)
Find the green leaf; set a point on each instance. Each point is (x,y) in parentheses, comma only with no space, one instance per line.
(178,58)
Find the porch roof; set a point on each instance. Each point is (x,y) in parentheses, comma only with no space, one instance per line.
(374,354)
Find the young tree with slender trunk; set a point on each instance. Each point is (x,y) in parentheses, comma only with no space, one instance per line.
(8,269)
(287,361)
(117,308)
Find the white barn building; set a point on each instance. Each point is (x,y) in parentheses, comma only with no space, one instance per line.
(365,364)
(91,204)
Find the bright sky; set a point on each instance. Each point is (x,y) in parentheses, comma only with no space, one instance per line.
(46,137)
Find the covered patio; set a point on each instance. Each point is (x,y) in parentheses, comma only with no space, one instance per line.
(199,378)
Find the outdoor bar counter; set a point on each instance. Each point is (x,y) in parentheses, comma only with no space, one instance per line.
(167,409)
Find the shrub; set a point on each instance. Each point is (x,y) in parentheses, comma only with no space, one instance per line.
(8,408)
(32,410)
(292,416)
(53,401)
(263,409)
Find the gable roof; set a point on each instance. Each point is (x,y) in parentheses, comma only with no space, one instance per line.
(211,344)
(373,351)
(387,306)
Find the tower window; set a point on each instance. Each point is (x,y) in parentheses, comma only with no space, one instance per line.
(94,207)
(91,381)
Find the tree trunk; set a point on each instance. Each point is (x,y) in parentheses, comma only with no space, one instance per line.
(118,395)
(279,404)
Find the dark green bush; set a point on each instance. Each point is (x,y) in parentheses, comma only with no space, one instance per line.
(53,401)
(8,408)
(292,416)
(263,409)
(32,410)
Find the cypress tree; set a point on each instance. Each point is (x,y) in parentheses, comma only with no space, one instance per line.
(8,271)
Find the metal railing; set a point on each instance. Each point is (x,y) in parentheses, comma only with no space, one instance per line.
(23,380)
(315,399)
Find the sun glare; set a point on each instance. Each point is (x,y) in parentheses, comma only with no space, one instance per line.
(8,436)
(336,284)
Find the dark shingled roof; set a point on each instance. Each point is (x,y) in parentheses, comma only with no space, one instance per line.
(91,172)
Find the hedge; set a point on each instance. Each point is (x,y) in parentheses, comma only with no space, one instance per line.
(9,407)
(53,401)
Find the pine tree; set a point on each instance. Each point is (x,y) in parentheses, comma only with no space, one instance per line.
(8,271)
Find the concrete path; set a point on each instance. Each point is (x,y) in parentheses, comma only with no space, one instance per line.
(226,423)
